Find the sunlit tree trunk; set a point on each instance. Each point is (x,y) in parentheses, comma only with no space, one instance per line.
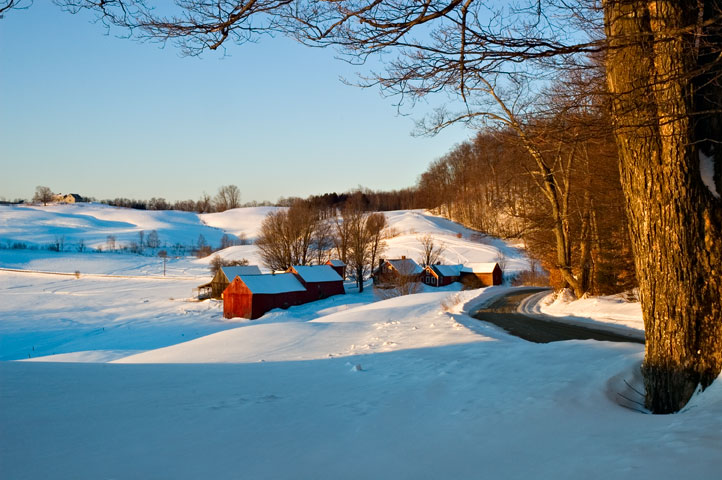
(675,220)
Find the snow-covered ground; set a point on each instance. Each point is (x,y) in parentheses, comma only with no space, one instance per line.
(161,386)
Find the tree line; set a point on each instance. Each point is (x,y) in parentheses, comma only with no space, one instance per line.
(309,233)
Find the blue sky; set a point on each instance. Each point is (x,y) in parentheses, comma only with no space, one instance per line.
(102,116)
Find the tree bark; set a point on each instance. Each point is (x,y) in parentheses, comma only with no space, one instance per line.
(675,221)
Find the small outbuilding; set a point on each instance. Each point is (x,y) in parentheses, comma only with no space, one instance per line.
(441,275)
(487,274)
(320,281)
(339,266)
(392,271)
(225,275)
(251,296)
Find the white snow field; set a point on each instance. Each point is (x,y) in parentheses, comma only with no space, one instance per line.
(130,378)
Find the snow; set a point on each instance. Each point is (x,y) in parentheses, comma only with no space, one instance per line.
(706,170)
(273,283)
(336,263)
(128,377)
(237,271)
(317,273)
(405,266)
(239,221)
(448,270)
(487,267)
(92,223)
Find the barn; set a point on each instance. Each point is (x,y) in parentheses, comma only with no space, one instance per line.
(225,275)
(390,271)
(486,273)
(339,266)
(441,275)
(320,281)
(251,296)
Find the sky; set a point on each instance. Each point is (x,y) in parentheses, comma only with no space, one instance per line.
(102,116)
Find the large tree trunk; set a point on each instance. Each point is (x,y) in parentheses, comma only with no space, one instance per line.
(675,220)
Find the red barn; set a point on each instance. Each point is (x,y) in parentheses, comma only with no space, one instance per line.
(320,281)
(251,296)
(487,273)
(441,275)
(391,271)
(339,266)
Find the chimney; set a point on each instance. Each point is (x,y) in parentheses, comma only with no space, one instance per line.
(403,257)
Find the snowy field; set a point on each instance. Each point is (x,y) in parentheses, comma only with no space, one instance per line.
(125,376)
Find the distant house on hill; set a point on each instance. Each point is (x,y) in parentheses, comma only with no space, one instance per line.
(441,275)
(487,274)
(339,266)
(69,198)
(392,270)
(251,296)
(320,281)
(225,275)
(73,198)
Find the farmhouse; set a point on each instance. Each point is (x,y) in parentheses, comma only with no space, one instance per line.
(486,273)
(69,198)
(339,266)
(251,296)
(320,281)
(225,275)
(393,270)
(441,275)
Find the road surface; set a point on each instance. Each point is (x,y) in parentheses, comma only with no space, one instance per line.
(503,313)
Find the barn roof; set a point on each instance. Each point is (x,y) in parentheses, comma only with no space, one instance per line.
(317,273)
(239,270)
(336,263)
(447,270)
(406,266)
(479,267)
(278,283)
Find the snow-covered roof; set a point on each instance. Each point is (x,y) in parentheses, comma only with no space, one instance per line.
(317,273)
(448,270)
(337,263)
(278,283)
(487,267)
(239,270)
(406,266)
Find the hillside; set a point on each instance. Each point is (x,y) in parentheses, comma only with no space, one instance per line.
(126,376)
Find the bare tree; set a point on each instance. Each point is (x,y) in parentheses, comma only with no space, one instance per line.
(286,236)
(228,197)
(153,240)
(228,241)
(322,242)
(377,228)
(430,252)
(217,262)
(204,204)
(7,5)
(43,195)
(359,238)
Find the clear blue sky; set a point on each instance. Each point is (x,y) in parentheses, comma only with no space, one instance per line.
(101,116)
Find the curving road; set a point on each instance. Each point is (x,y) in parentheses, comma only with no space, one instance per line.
(502,312)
